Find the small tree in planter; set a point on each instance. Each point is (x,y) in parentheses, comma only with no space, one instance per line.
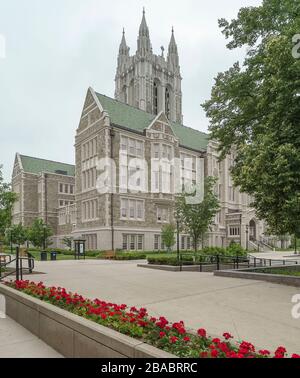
(168,236)
(39,234)
(68,242)
(17,234)
(198,217)
(7,200)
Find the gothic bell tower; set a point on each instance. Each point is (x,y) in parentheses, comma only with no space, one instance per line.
(147,81)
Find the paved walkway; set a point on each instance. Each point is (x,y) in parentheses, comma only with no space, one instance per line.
(16,341)
(256,311)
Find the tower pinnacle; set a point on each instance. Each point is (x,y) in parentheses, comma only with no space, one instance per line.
(144,43)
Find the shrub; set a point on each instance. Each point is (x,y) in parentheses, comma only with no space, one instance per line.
(236,250)
(137,323)
(131,256)
(169,260)
(213,251)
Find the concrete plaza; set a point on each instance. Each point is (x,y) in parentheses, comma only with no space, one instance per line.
(255,311)
(17,342)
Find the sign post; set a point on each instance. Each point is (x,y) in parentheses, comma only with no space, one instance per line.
(79,247)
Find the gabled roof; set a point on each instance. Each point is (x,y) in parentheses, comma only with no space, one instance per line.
(138,120)
(37,166)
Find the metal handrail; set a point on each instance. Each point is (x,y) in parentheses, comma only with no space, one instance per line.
(5,255)
(204,260)
(236,261)
(20,268)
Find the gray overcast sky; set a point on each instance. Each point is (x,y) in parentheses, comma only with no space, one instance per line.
(56,49)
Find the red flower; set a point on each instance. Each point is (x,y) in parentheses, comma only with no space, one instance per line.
(214,353)
(216,341)
(227,336)
(295,356)
(162,334)
(264,353)
(186,339)
(202,332)
(203,354)
(173,339)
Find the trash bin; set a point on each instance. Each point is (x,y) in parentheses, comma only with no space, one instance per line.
(43,256)
(53,256)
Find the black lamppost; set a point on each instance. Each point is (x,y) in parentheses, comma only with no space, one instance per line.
(247,237)
(178,231)
(11,243)
(44,229)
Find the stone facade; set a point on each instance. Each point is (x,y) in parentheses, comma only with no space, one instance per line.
(141,126)
(148,81)
(41,194)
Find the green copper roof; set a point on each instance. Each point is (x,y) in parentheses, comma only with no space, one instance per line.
(36,166)
(137,120)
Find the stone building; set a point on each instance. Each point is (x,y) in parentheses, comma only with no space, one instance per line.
(43,188)
(125,205)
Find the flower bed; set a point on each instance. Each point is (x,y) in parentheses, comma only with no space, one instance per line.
(172,338)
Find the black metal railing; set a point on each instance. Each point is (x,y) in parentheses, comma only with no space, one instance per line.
(19,269)
(263,262)
(219,262)
(215,261)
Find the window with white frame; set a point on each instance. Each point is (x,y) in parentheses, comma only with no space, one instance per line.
(234,231)
(158,243)
(63,203)
(89,149)
(65,188)
(182,242)
(132,209)
(133,242)
(162,214)
(162,168)
(231,193)
(89,179)
(132,147)
(188,169)
(90,210)
(188,242)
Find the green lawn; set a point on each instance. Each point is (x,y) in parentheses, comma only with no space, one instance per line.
(284,272)
(37,256)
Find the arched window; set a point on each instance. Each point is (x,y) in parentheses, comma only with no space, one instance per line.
(124,94)
(167,103)
(131,94)
(155,97)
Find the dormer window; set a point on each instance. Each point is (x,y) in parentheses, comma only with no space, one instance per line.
(155,98)
(167,102)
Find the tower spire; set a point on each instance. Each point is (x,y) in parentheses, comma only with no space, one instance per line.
(144,43)
(173,57)
(123,50)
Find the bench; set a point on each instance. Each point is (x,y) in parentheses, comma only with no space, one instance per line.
(4,259)
(109,255)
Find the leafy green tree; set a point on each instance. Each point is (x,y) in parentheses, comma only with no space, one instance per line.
(40,234)
(67,242)
(168,236)
(17,234)
(256,110)
(7,200)
(197,218)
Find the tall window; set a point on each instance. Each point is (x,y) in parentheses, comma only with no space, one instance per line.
(132,209)
(167,102)
(125,99)
(155,98)
(133,242)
